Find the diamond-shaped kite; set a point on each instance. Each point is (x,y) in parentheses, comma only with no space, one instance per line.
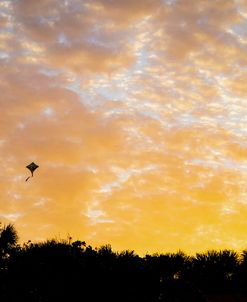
(32,167)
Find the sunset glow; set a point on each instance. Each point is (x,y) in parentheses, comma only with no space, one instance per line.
(135,112)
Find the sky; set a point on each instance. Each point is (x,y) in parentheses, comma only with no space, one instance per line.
(135,112)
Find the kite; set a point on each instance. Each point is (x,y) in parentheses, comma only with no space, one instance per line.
(32,167)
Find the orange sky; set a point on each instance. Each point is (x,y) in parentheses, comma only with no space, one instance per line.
(135,112)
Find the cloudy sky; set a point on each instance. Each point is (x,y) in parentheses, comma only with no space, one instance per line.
(135,112)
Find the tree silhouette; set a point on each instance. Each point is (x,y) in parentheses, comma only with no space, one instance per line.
(74,271)
(213,272)
(8,240)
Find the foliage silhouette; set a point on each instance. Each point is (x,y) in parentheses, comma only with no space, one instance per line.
(8,238)
(66,270)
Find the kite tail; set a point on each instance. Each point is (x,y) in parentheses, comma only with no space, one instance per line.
(29,176)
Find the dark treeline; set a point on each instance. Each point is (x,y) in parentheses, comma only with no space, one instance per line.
(57,270)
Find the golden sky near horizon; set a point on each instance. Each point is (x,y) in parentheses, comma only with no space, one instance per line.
(135,112)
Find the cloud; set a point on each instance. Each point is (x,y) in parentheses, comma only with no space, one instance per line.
(80,36)
(135,112)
